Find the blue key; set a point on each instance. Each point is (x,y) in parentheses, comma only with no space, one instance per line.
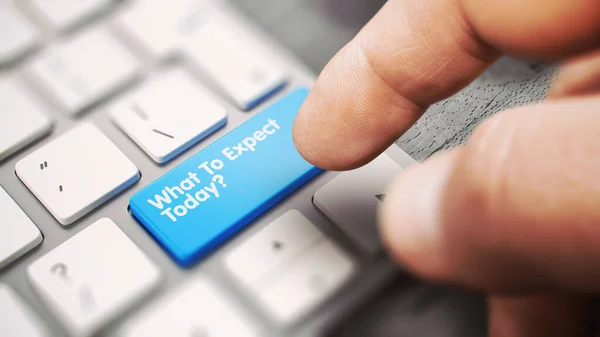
(194,208)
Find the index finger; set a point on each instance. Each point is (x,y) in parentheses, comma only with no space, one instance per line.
(415,53)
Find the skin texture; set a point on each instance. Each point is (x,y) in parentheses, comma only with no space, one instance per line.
(515,211)
(415,53)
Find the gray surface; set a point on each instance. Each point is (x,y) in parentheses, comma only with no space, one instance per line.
(507,84)
(314,30)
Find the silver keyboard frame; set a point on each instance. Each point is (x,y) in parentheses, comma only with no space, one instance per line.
(374,272)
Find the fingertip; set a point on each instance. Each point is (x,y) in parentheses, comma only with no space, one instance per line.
(578,76)
(302,136)
(410,223)
(349,118)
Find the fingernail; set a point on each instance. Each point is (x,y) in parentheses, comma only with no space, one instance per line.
(410,219)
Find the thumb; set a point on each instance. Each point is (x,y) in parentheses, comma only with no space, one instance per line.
(517,207)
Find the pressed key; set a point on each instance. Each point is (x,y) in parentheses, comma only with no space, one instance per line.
(21,121)
(63,14)
(350,200)
(195,207)
(80,72)
(17,35)
(93,277)
(16,319)
(198,308)
(18,234)
(169,114)
(76,172)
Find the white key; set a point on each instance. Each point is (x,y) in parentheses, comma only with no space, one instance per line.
(21,121)
(169,114)
(16,319)
(160,25)
(76,172)
(17,35)
(308,282)
(93,277)
(82,71)
(235,61)
(196,309)
(63,14)
(274,246)
(350,200)
(18,234)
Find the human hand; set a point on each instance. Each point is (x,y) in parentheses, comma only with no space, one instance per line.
(516,210)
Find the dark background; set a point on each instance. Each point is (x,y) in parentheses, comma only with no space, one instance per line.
(315,30)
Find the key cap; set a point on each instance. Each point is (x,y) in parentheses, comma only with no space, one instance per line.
(93,277)
(195,207)
(64,14)
(76,172)
(350,200)
(197,309)
(17,35)
(241,68)
(290,266)
(168,115)
(276,245)
(307,283)
(21,121)
(84,70)
(16,319)
(18,234)
(160,25)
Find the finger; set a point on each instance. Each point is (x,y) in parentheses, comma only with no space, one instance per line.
(415,53)
(517,207)
(537,29)
(556,315)
(580,76)
(411,54)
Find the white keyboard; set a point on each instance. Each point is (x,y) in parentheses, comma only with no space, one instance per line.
(99,99)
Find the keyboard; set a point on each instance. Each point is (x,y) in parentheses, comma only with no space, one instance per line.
(149,184)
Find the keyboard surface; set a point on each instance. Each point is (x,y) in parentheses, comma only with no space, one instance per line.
(150,184)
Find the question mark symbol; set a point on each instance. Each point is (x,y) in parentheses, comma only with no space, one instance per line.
(60,269)
(219,178)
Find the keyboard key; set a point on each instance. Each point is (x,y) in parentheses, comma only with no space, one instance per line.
(76,172)
(17,35)
(64,14)
(276,245)
(194,208)
(80,72)
(234,61)
(197,309)
(350,200)
(290,266)
(93,277)
(21,121)
(18,234)
(160,25)
(16,319)
(168,115)
(308,282)
(218,43)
